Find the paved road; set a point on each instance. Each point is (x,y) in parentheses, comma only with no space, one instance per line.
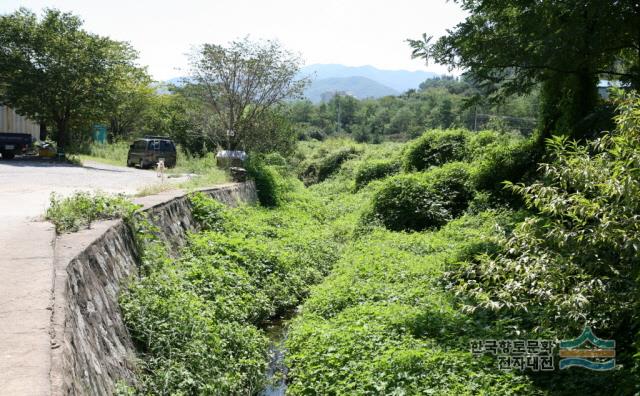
(26,260)
(25,185)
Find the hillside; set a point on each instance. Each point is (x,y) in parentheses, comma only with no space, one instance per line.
(360,87)
(399,80)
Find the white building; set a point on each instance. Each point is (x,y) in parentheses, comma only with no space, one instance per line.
(14,123)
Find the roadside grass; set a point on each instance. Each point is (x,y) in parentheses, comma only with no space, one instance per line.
(201,171)
(111,154)
(210,178)
(116,154)
(72,213)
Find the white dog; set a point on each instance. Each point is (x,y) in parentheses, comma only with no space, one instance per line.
(160,168)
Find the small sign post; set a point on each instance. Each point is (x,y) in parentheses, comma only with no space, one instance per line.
(99,133)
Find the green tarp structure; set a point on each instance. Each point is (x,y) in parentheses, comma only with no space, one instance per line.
(99,133)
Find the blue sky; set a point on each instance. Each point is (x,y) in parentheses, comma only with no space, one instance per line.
(350,32)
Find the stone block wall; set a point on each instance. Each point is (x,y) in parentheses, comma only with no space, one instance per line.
(92,349)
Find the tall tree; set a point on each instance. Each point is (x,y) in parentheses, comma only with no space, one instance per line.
(131,99)
(243,83)
(55,72)
(566,46)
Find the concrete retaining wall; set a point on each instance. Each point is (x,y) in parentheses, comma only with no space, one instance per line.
(92,349)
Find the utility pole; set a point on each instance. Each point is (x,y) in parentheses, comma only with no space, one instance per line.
(475,118)
(337,96)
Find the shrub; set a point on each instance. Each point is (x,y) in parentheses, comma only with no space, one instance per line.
(453,183)
(373,170)
(319,170)
(480,142)
(267,182)
(512,162)
(574,261)
(208,212)
(331,163)
(423,201)
(408,202)
(275,159)
(82,208)
(435,148)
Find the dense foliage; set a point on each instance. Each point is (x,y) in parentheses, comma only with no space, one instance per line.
(441,102)
(564,47)
(375,169)
(395,270)
(198,320)
(69,214)
(574,262)
(435,148)
(59,74)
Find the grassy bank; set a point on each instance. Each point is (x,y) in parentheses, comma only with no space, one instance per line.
(202,171)
(199,320)
(388,252)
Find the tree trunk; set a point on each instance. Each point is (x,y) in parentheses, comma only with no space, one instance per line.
(585,98)
(43,131)
(62,135)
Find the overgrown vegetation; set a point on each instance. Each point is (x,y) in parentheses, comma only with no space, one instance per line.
(442,102)
(397,270)
(397,303)
(574,262)
(69,214)
(380,323)
(198,320)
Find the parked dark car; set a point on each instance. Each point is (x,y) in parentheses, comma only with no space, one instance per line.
(14,143)
(146,152)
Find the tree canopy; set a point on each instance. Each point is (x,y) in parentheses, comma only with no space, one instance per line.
(55,72)
(513,46)
(243,83)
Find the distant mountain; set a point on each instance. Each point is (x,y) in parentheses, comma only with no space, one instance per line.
(399,80)
(177,81)
(361,82)
(360,87)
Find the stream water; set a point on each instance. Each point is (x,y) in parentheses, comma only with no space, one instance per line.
(277,371)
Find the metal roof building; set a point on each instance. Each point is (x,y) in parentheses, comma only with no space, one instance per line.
(12,122)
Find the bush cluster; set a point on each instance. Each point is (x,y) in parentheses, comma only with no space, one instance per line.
(435,148)
(454,183)
(509,162)
(445,187)
(269,183)
(423,200)
(82,208)
(374,170)
(320,169)
(480,142)
(198,320)
(408,202)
